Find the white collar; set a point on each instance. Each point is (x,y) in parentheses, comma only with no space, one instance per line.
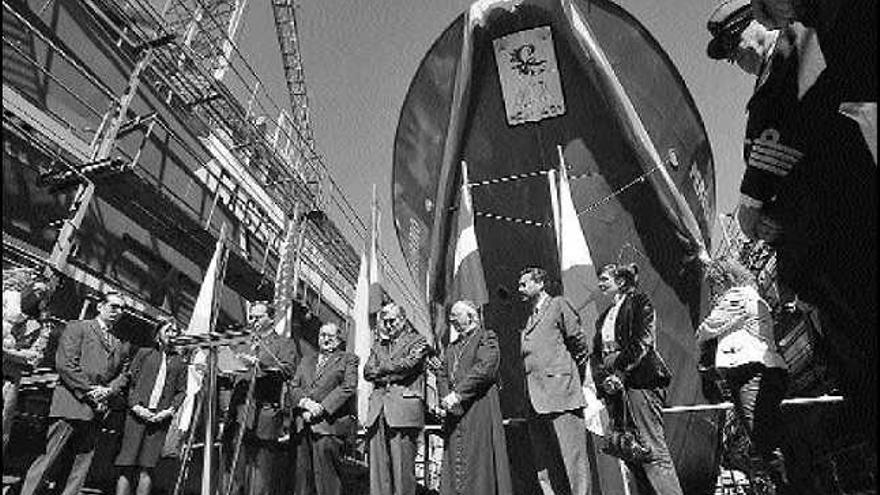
(455,335)
(542,298)
(104,326)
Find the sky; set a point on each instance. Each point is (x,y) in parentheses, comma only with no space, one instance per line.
(360,56)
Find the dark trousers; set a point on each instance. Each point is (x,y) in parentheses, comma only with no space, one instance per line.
(10,401)
(392,459)
(559,440)
(318,464)
(256,472)
(657,476)
(829,253)
(65,437)
(757,394)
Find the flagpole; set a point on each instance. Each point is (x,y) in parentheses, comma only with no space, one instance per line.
(300,225)
(211,388)
(207,454)
(559,190)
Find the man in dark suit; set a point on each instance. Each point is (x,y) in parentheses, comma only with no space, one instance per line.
(554,350)
(275,358)
(323,410)
(91,362)
(396,410)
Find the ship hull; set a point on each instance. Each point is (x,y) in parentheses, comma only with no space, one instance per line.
(455,111)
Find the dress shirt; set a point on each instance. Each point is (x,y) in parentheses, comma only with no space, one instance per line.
(609,341)
(156,394)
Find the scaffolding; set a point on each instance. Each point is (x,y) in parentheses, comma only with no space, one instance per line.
(165,65)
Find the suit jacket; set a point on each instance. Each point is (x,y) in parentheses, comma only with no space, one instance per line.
(144,371)
(554,348)
(84,360)
(334,388)
(278,358)
(396,369)
(637,362)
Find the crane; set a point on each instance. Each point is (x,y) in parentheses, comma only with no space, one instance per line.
(306,161)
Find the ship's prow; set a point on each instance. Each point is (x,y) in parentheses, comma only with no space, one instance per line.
(505,87)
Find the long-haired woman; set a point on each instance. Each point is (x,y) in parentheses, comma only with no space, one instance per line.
(747,358)
(631,375)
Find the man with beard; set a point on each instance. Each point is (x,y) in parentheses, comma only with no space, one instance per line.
(554,350)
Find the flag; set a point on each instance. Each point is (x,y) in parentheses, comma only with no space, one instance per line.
(203,318)
(468,281)
(580,285)
(368,300)
(286,277)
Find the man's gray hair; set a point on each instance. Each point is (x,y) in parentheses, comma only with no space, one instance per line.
(393,306)
(339,333)
(469,307)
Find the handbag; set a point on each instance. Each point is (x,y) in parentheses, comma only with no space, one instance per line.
(624,443)
(710,380)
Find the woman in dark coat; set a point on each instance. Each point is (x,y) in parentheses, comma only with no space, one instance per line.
(632,375)
(475,455)
(152,401)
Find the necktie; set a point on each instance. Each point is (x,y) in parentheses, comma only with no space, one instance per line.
(159,385)
(105,337)
(322,361)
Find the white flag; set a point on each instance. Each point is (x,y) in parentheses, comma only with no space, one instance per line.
(579,281)
(367,301)
(200,323)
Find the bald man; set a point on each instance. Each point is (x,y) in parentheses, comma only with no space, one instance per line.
(322,399)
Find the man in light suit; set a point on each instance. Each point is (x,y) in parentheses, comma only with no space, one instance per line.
(91,362)
(396,410)
(323,409)
(554,350)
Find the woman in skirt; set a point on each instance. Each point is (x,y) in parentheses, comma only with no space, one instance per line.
(158,384)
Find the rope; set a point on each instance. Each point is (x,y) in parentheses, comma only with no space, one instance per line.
(523,221)
(509,178)
(538,173)
(611,196)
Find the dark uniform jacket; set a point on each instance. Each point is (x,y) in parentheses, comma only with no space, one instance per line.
(773,146)
(84,359)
